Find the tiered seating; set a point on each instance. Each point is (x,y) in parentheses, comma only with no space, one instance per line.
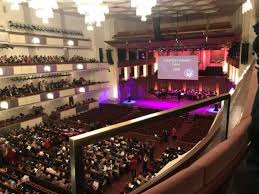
(200,126)
(35,112)
(156,128)
(42,152)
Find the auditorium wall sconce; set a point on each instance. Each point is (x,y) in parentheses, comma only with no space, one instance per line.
(50,96)
(1,71)
(35,40)
(79,66)
(82,90)
(4,105)
(47,68)
(70,43)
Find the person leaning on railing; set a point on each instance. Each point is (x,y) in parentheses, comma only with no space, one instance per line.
(253,159)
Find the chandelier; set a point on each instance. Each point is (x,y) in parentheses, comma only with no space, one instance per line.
(15,4)
(143,8)
(44,9)
(94,11)
(247,6)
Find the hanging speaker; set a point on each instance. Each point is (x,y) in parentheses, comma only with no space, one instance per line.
(245,53)
(109,56)
(156,28)
(101,54)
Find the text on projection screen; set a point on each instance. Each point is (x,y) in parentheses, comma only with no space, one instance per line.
(178,67)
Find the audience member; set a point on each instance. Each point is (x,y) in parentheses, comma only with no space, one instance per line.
(39,59)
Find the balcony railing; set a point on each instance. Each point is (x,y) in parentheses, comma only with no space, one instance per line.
(78,142)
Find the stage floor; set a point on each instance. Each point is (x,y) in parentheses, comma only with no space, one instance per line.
(164,104)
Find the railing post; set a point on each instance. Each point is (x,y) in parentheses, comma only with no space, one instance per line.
(225,121)
(77,168)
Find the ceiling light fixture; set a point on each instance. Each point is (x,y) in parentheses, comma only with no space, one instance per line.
(44,9)
(247,6)
(15,4)
(94,11)
(143,8)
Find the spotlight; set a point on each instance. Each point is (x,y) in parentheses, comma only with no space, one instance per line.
(50,96)
(4,105)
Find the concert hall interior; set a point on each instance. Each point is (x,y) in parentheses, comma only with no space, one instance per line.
(129,96)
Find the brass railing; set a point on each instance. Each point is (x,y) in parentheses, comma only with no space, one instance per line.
(77,142)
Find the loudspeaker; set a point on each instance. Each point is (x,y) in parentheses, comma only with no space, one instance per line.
(122,54)
(132,55)
(245,53)
(109,56)
(156,28)
(101,54)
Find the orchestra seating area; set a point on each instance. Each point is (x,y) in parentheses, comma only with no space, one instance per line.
(190,94)
(38,157)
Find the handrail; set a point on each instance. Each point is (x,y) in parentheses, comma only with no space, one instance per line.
(216,166)
(77,142)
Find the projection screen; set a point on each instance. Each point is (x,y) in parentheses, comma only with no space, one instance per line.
(178,67)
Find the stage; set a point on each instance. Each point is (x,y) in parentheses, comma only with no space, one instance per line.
(164,104)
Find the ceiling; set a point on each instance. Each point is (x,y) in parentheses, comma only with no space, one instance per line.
(166,8)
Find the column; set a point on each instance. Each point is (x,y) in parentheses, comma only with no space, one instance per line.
(136,72)
(144,70)
(126,73)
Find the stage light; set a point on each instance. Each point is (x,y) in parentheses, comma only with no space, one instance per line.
(82,90)
(47,68)
(70,43)
(50,96)
(4,105)
(35,40)
(1,71)
(79,66)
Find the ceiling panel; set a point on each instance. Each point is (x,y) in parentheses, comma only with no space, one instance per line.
(166,8)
